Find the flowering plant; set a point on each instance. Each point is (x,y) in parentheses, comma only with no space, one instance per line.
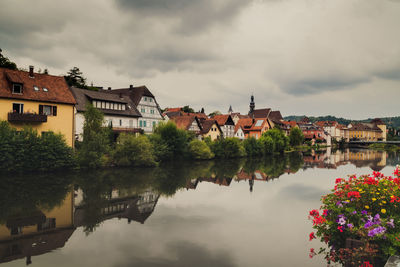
(361,210)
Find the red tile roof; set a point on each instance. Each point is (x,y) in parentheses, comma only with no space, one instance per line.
(224,119)
(245,124)
(275,116)
(57,89)
(184,122)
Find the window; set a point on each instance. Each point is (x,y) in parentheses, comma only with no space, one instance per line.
(151,100)
(17,88)
(143,110)
(154,124)
(144,123)
(35,88)
(140,123)
(45,89)
(120,122)
(145,98)
(107,105)
(259,123)
(152,111)
(123,107)
(48,110)
(18,108)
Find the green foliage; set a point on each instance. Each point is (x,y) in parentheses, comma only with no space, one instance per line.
(274,140)
(253,147)
(228,148)
(95,145)
(212,114)
(200,150)
(25,150)
(171,140)
(75,78)
(296,136)
(133,151)
(187,109)
(6,63)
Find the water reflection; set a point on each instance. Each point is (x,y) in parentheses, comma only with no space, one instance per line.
(40,213)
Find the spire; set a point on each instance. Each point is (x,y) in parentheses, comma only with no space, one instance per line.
(230,109)
(252,105)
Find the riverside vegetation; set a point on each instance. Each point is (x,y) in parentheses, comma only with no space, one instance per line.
(28,151)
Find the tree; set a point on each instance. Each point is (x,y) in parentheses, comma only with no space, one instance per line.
(212,114)
(187,109)
(200,150)
(134,151)
(277,138)
(253,147)
(6,63)
(95,144)
(75,78)
(296,136)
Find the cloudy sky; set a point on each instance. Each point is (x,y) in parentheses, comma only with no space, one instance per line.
(313,57)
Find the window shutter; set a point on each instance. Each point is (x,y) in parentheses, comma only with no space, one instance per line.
(54,110)
(40,109)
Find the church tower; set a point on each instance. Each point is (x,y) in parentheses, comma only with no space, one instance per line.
(230,110)
(252,105)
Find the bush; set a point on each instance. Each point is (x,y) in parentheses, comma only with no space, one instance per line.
(230,147)
(200,150)
(172,140)
(253,147)
(267,144)
(279,140)
(296,136)
(25,150)
(133,151)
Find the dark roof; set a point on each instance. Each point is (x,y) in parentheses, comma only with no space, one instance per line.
(207,124)
(365,127)
(377,121)
(135,93)
(83,96)
(276,116)
(58,91)
(261,113)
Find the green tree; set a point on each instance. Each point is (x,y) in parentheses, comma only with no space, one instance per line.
(279,140)
(187,109)
(6,63)
(95,144)
(133,151)
(296,136)
(229,147)
(75,78)
(253,147)
(200,150)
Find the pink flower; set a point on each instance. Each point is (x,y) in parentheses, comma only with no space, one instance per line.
(312,236)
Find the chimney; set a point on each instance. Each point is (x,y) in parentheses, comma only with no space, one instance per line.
(109,88)
(131,86)
(31,72)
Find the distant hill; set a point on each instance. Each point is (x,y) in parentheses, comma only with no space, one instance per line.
(390,121)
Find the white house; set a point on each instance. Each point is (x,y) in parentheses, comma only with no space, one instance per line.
(119,111)
(146,104)
(239,133)
(227,124)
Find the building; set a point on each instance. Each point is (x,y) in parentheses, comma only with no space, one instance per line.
(373,131)
(332,128)
(188,123)
(119,111)
(41,101)
(146,104)
(210,128)
(227,124)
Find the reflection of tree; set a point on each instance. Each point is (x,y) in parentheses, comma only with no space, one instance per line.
(21,194)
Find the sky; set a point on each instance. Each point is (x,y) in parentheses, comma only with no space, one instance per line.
(302,57)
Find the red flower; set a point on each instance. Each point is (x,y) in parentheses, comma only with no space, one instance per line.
(366,264)
(340,228)
(312,236)
(314,213)
(338,180)
(353,194)
(325,213)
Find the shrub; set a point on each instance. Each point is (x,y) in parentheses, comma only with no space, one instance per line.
(230,147)
(267,144)
(200,150)
(133,151)
(172,140)
(279,140)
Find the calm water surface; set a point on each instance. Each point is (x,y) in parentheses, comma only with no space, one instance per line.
(214,213)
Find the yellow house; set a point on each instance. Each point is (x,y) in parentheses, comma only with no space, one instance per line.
(374,131)
(210,128)
(41,101)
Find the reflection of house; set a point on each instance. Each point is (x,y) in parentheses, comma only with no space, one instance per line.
(41,101)
(36,232)
(192,184)
(133,208)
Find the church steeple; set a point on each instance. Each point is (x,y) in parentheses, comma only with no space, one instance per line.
(252,105)
(230,110)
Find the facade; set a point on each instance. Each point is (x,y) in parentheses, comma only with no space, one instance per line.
(367,132)
(119,111)
(145,103)
(227,124)
(210,128)
(239,133)
(312,132)
(259,126)
(332,128)
(188,123)
(41,101)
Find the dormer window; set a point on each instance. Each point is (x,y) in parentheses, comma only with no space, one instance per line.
(17,88)
(45,89)
(36,88)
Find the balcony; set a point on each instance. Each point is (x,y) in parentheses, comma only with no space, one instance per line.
(16,117)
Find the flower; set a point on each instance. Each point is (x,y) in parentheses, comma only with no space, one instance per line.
(383,211)
(390,223)
(312,236)
(376,231)
(364,212)
(366,206)
(314,213)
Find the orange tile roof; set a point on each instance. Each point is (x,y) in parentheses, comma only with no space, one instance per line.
(184,122)
(58,90)
(244,124)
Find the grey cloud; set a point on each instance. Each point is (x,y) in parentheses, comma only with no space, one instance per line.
(192,16)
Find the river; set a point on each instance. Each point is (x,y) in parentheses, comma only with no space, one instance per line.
(242,212)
